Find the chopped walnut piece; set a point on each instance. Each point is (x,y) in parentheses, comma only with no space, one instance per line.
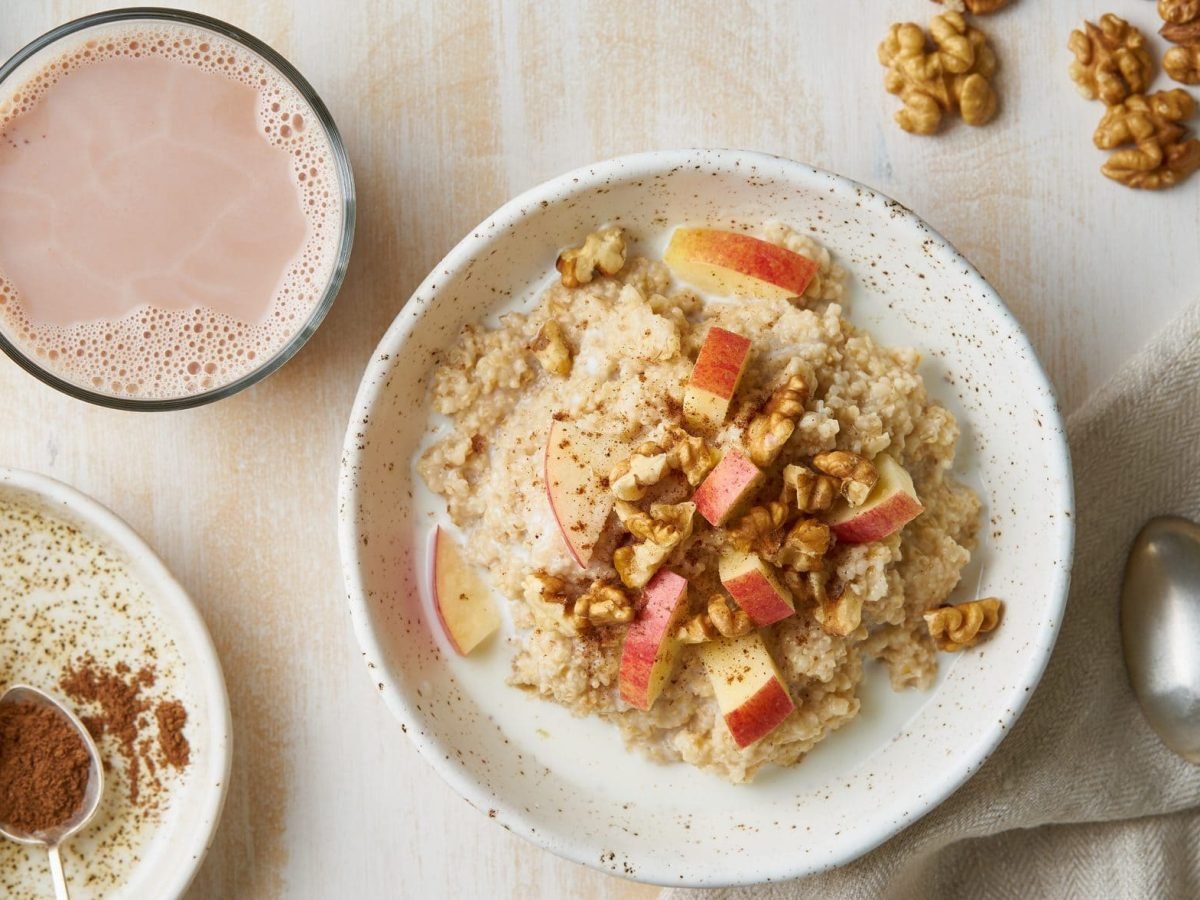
(961,626)
(954,75)
(656,536)
(812,492)
(978,7)
(1162,155)
(651,461)
(1179,12)
(718,620)
(760,529)
(771,429)
(603,603)
(1111,60)
(840,615)
(1183,64)
(804,547)
(857,474)
(812,587)
(603,250)
(551,350)
(693,456)
(631,477)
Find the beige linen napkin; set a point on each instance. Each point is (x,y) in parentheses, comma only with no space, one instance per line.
(1081,799)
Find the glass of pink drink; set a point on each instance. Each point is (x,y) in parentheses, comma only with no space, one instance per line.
(176,209)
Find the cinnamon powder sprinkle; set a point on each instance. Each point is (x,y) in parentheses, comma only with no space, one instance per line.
(123,715)
(43,767)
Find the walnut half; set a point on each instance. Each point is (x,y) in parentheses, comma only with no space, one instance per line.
(1183,64)
(603,603)
(813,493)
(771,428)
(1111,60)
(857,474)
(603,250)
(980,7)
(718,620)
(1162,154)
(550,348)
(958,627)
(656,536)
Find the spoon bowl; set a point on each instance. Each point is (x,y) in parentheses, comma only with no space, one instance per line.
(52,838)
(1160,630)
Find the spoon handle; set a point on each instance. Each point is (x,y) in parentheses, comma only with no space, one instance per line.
(56,872)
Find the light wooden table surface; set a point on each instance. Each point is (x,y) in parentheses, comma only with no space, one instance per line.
(448,109)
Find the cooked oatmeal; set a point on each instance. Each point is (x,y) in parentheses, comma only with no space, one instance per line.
(613,356)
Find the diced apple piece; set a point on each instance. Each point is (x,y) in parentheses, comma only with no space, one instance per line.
(464,603)
(890,506)
(715,378)
(756,587)
(574,466)
(651,648)
(727,262)
(750,692)
(727,486)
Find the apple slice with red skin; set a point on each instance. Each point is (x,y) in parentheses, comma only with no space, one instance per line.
(749,689)
(890,506)
(715,377)
(727,487)
(463,602)
(728,262)
(755,587)
(575,465)
(651,648)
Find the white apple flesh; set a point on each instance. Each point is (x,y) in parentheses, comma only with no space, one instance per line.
(749,689)
(890,506)
(463,602)
(651,648)
(715,378)
(576,463)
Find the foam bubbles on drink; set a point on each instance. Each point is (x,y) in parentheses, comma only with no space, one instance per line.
(159,353)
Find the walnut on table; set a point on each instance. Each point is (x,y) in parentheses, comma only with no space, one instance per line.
(1182,26)
(958,627)
(1162,154)
(770,429)
(953,75)
(856,473)
(602,250)
(976,7)
(1111,61)
(718,620)
(656,533)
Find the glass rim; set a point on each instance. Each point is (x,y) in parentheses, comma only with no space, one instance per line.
(345,180)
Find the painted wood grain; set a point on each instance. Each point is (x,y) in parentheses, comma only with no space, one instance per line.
(449,108)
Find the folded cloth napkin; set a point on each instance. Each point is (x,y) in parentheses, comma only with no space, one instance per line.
(1081,799)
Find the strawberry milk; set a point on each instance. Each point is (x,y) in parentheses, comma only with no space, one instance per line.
(171,213)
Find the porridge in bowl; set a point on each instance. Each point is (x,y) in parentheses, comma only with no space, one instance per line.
(707,496)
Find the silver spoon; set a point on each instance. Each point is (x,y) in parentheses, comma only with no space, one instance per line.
(1160,630)
(53,838)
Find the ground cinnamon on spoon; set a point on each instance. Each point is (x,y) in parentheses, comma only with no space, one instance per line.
(43,767)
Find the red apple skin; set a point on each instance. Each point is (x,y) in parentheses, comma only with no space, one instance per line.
(752,589)
(650,640)
(760,715)
(720,363)
(891,505)
(727,486)
(782,272)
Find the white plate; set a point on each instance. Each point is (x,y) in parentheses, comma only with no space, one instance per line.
(566,783)
(172,846)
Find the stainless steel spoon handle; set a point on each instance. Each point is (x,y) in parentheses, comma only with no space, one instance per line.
(56,872)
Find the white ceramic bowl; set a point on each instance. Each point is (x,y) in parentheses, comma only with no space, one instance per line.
(565,783)
(193,804)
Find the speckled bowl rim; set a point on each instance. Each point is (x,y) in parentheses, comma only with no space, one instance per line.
(372,388)
(167,592)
